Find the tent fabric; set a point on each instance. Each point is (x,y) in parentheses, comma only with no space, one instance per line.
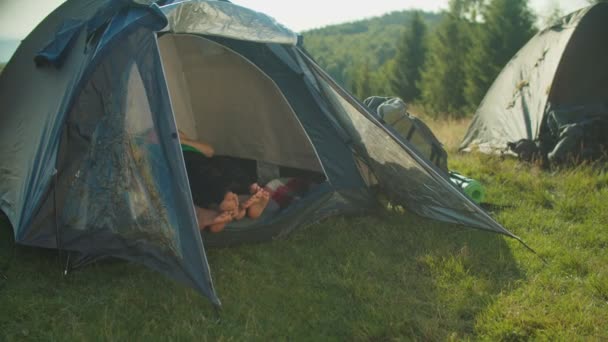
(399,171)
(233,96)
(30,127)
(223,19)
(122,183)
(333,150)
(54,53)
(549,69)
(94,165)
(32,183)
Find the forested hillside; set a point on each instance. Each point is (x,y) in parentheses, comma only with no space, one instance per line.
(445,62)
(344,49)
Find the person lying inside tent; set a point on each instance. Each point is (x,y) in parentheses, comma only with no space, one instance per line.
(214,188)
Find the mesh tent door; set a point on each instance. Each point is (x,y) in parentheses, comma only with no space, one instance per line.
(122,188)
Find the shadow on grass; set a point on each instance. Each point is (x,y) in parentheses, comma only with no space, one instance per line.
(384,277)
(496,208)
(366,278)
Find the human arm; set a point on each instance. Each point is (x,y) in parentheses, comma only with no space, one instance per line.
(204,148)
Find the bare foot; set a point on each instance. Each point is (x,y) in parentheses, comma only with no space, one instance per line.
(254,188)
(240,213)
(212,219)
(247,202)
(259,201)
(230,202)
(220,222)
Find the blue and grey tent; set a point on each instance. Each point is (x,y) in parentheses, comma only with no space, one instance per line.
(90,158)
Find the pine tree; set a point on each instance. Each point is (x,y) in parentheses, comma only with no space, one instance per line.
(409,60)
(508,25)
(442,78)
(382,79)
(361,85)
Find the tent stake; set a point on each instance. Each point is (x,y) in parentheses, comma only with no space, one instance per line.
(218,317)
(67,267)
(531,250)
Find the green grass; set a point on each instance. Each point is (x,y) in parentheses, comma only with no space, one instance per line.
(385,277)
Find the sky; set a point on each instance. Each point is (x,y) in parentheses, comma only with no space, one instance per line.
(317,13)
(19,17)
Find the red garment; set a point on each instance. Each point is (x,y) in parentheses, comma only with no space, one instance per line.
(284,190)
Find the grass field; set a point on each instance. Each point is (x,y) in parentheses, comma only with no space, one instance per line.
(389,276)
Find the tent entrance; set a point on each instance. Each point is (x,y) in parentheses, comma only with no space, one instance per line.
(582,76)
(221,98)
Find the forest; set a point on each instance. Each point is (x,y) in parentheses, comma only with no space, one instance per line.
(442,62)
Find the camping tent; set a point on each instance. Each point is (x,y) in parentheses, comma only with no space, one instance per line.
(90,160)
(558,79)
